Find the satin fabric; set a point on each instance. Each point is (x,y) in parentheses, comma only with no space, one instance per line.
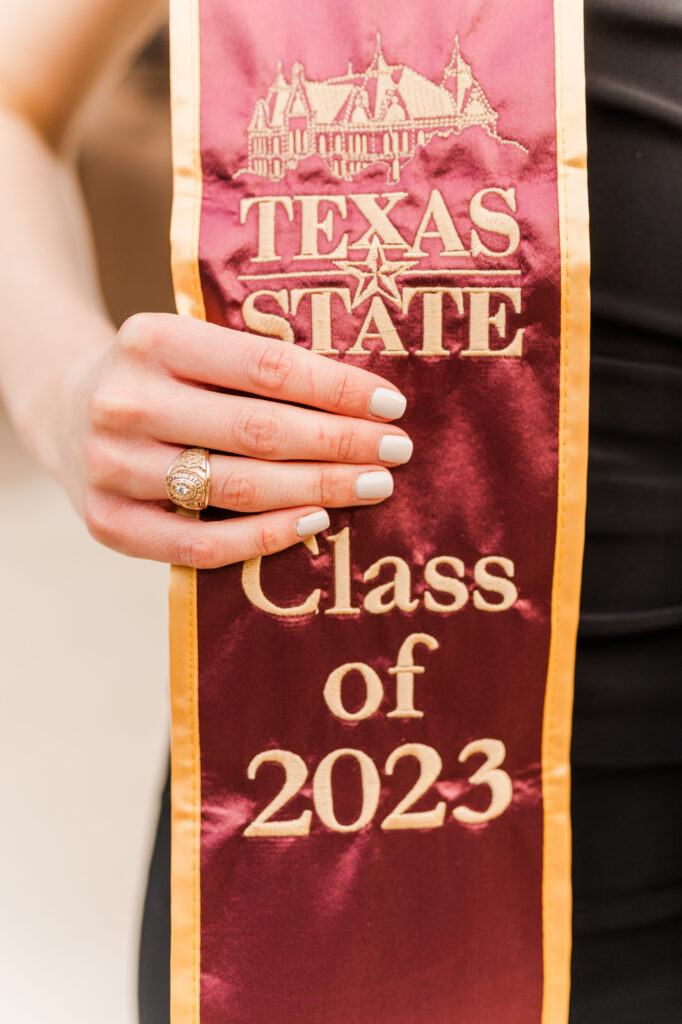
(373,925)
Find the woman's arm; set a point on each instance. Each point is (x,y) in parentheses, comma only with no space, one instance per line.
(107,411)
(55,57)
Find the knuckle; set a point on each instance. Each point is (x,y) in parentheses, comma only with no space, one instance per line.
(346,445)
(100,517)
(329,486)
(267,540)
(99,463)
(139,334)
(343,392)
(200,551)
(237,490)
(260,432)
(100,403)
(271,367)
(115,408)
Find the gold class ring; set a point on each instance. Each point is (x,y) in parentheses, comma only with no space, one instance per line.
(188,478)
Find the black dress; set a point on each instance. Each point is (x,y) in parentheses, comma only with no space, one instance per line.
(627,737)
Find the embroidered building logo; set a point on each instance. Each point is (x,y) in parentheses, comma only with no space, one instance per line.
(379,116)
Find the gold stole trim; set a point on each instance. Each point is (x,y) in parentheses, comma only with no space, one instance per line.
(185,960)
(572,484)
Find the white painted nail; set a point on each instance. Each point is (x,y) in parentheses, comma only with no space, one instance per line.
(376,484)
(390,405)
(393,448)
(308,525)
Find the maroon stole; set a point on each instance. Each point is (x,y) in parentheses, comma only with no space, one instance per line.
(371,729)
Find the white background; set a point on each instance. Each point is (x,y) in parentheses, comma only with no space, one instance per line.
(83,747)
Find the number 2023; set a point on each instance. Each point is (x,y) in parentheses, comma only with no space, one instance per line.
(401,817)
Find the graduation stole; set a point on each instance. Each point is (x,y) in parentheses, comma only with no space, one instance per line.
(370,746)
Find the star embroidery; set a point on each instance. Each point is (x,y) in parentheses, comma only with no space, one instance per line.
(376,275)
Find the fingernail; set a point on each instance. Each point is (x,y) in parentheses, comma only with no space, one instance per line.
(376,484)
(393,448)
(313,523)
(390,405)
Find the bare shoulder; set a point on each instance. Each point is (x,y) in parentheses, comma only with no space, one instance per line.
(55,53)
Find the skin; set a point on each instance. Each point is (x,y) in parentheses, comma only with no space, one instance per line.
(107,411)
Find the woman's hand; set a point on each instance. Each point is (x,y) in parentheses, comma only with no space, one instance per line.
(158,389)
(107,414)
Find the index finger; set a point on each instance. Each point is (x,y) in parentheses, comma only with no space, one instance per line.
(222,357)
